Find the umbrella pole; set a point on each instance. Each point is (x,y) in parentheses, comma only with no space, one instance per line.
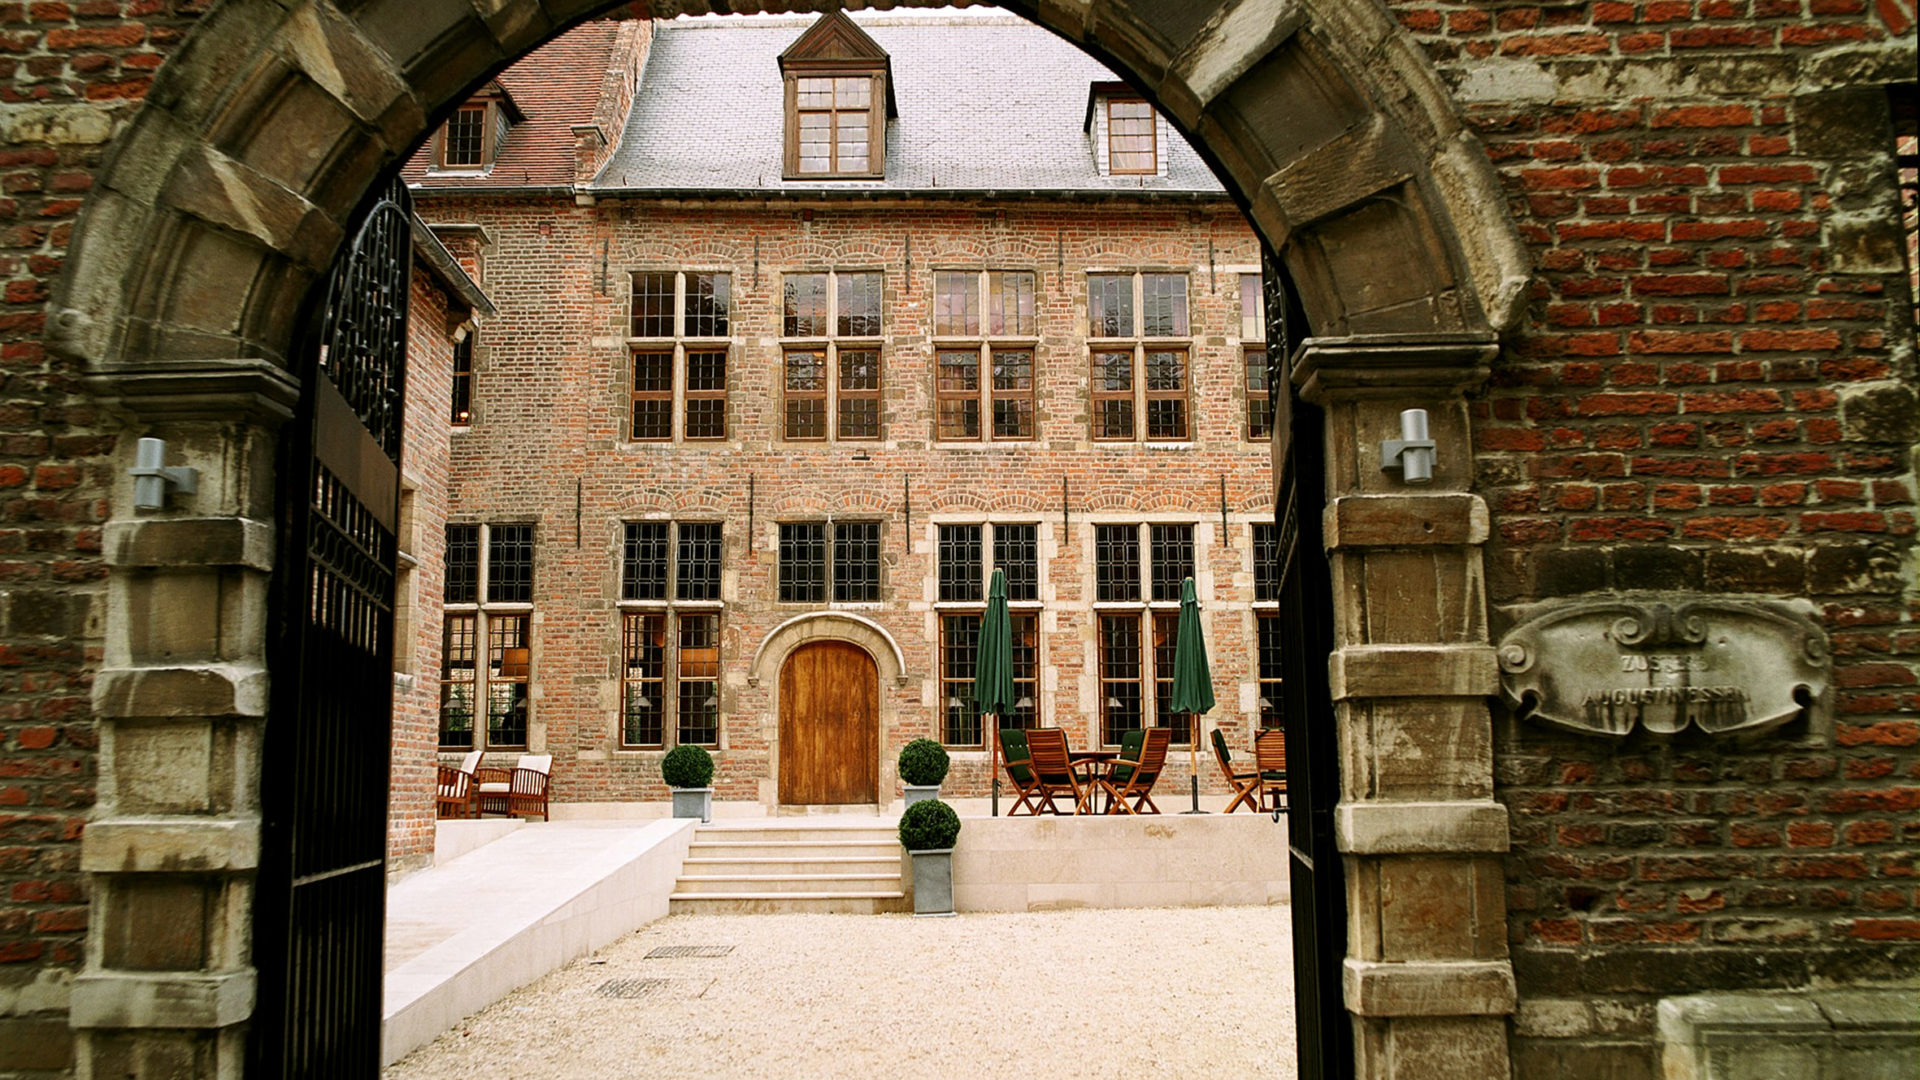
(1193,761)
(993,768)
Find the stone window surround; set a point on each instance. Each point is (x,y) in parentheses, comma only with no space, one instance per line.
(1145,608)
(672,607)
(830,344)
(1138,342)
(1030,608)
(482,610)
(680,343)
(988,342)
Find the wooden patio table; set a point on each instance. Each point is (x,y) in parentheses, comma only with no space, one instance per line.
(1097,763)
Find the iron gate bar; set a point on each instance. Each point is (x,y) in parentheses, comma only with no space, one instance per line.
(1324,1037)
(320,902)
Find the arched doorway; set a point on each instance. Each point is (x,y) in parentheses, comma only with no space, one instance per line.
(829,726)
(231,193)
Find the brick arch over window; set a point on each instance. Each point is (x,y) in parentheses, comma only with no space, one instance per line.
(224,201)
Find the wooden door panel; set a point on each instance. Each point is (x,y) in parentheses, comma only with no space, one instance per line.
(829,725)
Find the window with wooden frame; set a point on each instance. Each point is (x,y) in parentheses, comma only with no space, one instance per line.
(1266,613)
(1137,609)
(1139,350)
(1253,358)
(670,633)
(984,367)
(488,614)
(678,343)
(463,142)
(461,407)
(967,556)
(830,325)
(839,559)
(837,102)
(1132,145)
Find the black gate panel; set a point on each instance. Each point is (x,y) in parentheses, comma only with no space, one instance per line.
(320,904)
(1324,1036)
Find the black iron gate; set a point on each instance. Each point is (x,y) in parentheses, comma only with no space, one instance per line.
(1319,900)
(321,896)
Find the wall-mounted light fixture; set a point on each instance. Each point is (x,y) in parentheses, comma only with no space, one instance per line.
(1412,453)
(151,479)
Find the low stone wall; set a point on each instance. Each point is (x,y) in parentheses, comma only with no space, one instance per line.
(1172,860)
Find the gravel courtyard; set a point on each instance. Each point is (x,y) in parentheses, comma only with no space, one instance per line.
(1142,993)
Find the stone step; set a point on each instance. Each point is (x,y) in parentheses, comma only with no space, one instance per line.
(768,883)
(797,864)
(745,903)
(793,849)
(805,834)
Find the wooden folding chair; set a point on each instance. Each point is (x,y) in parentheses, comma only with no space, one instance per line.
(1053,772)
(1135,781)
(1270,757)
(1017,760)
(1246,785)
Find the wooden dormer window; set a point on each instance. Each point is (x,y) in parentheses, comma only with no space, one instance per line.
(1123,132)
(1130,137)
(839,97)
(474,134)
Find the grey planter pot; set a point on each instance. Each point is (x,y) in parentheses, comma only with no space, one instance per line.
(933,882)
(693,802)
(917,792)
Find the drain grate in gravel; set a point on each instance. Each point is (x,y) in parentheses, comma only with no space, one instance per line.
(670,952)
(632,988)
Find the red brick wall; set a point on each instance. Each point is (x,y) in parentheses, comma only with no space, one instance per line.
(417,643)
(1712,392)
(551,411)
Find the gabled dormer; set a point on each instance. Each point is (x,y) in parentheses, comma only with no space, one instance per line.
(1126,134)
(471,138)
(839,97)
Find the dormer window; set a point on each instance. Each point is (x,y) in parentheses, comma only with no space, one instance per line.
(1131,147)
(838,100)
(465,143)
(1124,131)
(474,134)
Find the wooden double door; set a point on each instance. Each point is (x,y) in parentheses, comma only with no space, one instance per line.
(829,725)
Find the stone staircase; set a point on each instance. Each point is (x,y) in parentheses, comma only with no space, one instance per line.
(807,866)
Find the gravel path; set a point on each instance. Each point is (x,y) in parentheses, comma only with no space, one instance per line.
(1138,993)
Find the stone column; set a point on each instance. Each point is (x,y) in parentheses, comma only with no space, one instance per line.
(181,697)
(1427,978)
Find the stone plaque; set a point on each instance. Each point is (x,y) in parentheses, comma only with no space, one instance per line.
(1607,666)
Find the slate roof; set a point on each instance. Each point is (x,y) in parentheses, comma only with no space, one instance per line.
(555,86)
(991,103)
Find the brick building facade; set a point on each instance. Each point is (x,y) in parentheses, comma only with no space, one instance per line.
(1704,375)
(590,419)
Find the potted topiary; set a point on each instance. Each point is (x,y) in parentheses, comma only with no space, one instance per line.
(923,764)
(688,770)
(927,830)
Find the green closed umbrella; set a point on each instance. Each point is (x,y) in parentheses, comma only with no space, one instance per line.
(1192,681)
(993,670)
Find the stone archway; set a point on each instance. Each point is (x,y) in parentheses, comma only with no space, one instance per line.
(223,204)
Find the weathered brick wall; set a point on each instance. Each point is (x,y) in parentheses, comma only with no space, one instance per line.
(70,75)
(417,644)
(1713,392)
(551,407)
